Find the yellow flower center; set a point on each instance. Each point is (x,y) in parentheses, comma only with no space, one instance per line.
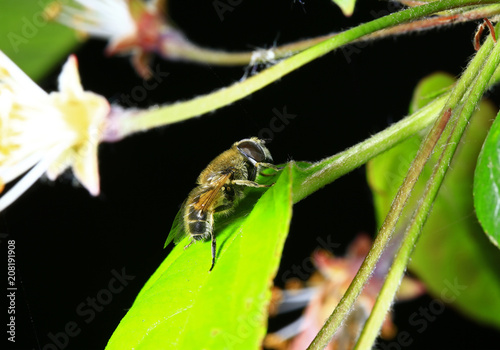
(84,116)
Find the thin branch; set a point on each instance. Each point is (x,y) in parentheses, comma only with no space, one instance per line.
(120,127)
(390,287)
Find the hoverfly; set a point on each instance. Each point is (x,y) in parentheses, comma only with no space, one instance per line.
(220,186)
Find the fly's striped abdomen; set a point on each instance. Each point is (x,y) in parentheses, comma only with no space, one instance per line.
(199,222)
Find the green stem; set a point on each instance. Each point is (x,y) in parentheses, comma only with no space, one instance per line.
(445,18)
(399,202)
(187,51)
(390,287)
(346,303)
(328,170)
(121,127)
(182,49)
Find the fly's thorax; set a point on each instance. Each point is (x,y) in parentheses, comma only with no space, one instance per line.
(229,161)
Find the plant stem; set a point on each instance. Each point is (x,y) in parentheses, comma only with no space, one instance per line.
(183,49)
(390,287)
(121,127)
(346,303)
(448,17)
(187,51)
(399,202)
(328,170)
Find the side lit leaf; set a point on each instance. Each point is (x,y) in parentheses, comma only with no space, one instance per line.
(386,172)
(429,88)
(487,184)
(183,306)
(347,6)
(453,257)
(31,39)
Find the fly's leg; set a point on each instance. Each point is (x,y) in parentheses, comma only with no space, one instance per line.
(196,237)
(213,252)
(267,166)
(189,245)
(248,183)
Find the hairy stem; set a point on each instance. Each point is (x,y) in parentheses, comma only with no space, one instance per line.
(346,303)
(328,170)
(389,289)
(121,127)
(399,202)
(185,50)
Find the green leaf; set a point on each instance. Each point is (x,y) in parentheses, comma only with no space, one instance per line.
(347,6)
(487,184)
(34,43)
(430,88)
(453,257)
(184,306)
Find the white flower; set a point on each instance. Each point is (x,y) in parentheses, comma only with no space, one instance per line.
(107,19)
(47,133)
(131,26)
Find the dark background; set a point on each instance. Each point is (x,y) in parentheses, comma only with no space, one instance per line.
(68,243)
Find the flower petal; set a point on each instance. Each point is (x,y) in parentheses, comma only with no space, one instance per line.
(14,79)
(109,19)
(69,79)
(48,132)
(29,179)
(86,170)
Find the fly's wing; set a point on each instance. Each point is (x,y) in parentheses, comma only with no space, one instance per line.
(177,232)
(204,201)
(208,197)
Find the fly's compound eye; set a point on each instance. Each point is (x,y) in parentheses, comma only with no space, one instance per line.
(255,151)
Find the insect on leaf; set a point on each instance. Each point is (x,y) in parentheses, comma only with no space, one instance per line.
(183,306)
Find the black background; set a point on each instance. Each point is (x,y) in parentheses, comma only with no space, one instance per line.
(68,243)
